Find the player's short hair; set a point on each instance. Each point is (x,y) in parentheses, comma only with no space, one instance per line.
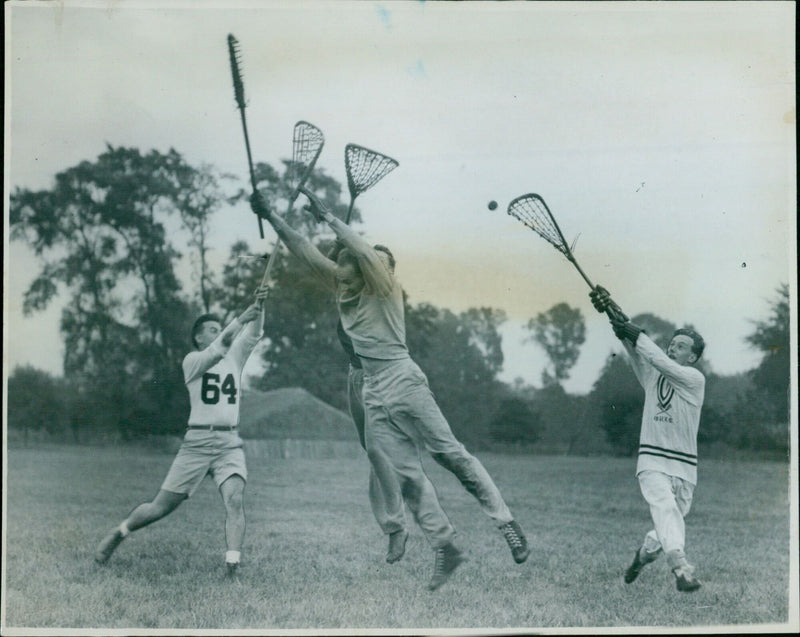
(387,252)
(698,344)
(198,325)
(347,257)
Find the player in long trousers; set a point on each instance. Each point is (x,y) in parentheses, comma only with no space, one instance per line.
(382,477)
(398,402)
(667,463)
(211,445)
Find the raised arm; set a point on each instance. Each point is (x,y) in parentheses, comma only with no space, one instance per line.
(625,331)
(376,275)
(298,245)
(637,364)
(245,342)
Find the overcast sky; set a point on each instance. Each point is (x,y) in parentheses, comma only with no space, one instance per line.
(661,133)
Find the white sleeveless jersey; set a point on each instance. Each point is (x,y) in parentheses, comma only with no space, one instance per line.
(213,376)
(674,395)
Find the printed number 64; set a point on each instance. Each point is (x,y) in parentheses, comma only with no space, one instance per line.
(210,389)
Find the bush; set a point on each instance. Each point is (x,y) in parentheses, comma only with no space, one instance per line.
(37,402)
(515,422)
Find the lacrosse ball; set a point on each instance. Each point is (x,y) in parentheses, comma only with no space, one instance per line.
(492,204)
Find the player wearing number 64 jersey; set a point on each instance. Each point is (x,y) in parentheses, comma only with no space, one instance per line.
(212,444)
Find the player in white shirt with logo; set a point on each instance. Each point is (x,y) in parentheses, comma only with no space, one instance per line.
(667,464)
(212,445)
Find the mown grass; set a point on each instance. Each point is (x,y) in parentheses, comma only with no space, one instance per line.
(314,557)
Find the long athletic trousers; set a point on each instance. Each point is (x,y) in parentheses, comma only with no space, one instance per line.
(382,477)
(402,417)
(670,499)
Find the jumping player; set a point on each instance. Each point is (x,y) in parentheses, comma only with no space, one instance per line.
(212,444)
(382,476)
(667,465)
(399,405)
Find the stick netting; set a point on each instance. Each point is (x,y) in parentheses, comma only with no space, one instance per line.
(307,143)
(365,168)
(534,213)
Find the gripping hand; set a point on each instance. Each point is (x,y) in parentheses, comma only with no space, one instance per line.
(250,314)
(259,205)
(315,206)
(261,293)
(601,298)
(625,330)
(602,302)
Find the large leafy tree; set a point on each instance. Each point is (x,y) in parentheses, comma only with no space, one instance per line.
(560,331)
(101,234)
(483,325)
(198,197)
(452,351)
(762,409)
(771,338)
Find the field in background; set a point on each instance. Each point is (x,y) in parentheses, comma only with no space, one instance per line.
(314,556)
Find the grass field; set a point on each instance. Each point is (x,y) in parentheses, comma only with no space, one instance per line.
(314,557)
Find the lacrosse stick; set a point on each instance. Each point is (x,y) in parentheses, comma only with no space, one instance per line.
(533,212)
(365,168)
(307,143)
(238,92)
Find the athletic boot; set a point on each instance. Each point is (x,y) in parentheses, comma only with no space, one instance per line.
(685,580)
(516,541)
(108,546)
(397,546)
(638,564)
(232,570)
(448,559)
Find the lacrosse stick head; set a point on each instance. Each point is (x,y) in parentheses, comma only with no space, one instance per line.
(238,85)
(531,210)
(365,168)
(307,143)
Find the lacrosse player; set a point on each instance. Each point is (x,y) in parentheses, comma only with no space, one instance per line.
(399,406)
(211,444)
(382,476)
(667,464)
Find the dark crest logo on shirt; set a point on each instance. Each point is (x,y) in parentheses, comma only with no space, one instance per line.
(664,394)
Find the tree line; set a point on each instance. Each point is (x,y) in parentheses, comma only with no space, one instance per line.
(111,236)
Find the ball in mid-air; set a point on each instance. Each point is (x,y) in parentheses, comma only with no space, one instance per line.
(492,205)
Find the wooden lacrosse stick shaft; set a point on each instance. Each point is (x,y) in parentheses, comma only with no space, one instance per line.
(238,93)
(612,312)
(250,164)
(349,211)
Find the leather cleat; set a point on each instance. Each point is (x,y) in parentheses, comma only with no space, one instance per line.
(516,541)
(397,546)
(685,581)
(107,547)
(448,558)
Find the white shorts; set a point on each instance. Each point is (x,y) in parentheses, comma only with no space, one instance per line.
(219,453)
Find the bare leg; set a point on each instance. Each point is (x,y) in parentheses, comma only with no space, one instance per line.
(232,492)
(163,504)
